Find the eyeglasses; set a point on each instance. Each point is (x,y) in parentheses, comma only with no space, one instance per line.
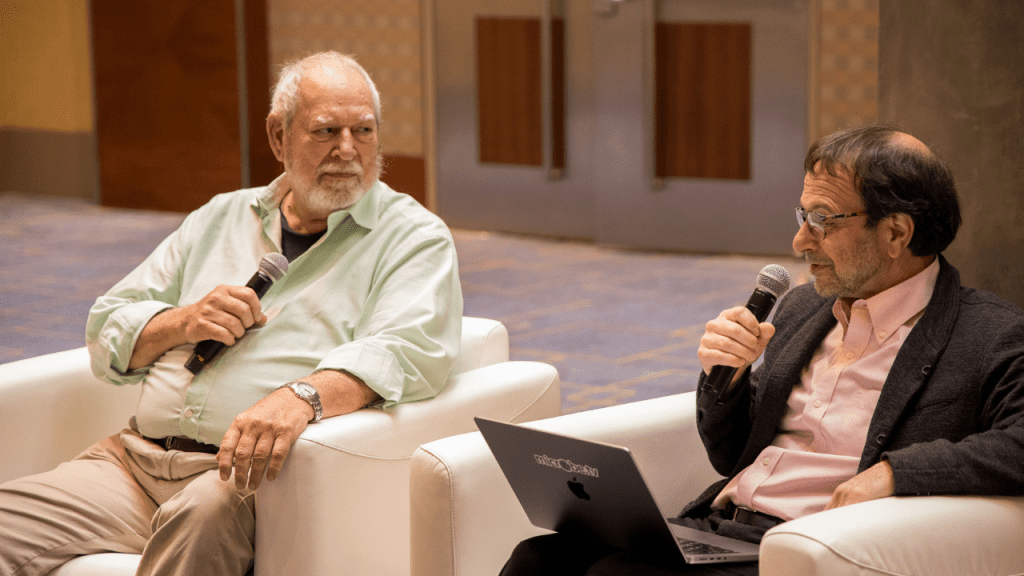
(816,221)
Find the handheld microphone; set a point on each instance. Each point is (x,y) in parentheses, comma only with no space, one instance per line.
(272,268)
(772,282)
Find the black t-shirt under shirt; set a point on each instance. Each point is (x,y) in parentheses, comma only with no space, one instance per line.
(293,243)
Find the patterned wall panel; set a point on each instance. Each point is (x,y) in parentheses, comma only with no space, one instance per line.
(845,57)
(383,35)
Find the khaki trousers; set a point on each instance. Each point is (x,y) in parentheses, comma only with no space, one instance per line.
(125,494)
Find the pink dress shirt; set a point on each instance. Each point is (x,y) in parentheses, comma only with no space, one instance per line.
(822,434)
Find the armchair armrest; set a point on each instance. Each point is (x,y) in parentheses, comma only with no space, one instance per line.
(933,535)
(465,518)
(340,502)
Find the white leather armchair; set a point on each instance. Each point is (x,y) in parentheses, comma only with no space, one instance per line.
(920,536)
(340,505)
(466,520)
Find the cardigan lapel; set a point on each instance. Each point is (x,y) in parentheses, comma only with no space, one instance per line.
(912,366)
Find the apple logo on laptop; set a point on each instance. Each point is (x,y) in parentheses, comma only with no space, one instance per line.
(577,489)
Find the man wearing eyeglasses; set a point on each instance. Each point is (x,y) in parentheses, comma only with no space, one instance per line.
(885,377)
(369,312)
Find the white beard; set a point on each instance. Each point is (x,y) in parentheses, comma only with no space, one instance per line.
(324,199)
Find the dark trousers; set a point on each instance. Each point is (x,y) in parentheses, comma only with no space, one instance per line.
(566,554)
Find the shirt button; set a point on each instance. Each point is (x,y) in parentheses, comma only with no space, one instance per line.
(766,461)
(849,355)
(817,403)
(188,413)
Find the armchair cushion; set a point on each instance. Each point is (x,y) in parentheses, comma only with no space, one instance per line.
(55,408)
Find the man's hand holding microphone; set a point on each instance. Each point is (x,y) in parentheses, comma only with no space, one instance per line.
(737,337)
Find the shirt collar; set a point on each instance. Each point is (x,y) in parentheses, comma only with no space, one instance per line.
(267,201)
(896,306)
(365,212)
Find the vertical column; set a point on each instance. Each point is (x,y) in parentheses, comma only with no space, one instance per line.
(950,73)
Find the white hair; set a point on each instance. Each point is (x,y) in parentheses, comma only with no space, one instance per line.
(286,92)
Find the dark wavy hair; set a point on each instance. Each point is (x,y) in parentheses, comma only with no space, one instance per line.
(892,176)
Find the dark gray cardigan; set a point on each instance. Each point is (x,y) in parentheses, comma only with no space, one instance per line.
(950,417)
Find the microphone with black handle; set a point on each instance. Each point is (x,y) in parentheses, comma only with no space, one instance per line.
(772,282)
(272,268)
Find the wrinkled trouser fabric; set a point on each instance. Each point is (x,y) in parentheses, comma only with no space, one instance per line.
(125,494)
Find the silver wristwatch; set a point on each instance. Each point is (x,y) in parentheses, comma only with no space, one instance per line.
(307,392)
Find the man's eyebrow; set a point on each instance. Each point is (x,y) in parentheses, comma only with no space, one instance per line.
(818,207)
(332,119)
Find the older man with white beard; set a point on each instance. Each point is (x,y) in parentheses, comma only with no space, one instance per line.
(369,312)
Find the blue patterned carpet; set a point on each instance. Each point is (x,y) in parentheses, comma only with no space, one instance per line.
(619,325)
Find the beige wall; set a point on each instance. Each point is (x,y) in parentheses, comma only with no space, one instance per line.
(45,78)
(47,141)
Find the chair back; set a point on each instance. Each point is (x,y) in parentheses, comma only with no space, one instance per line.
(484,342)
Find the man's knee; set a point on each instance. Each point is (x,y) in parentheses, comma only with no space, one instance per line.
(527,557)
(207,528)
(558,553)
(208,503)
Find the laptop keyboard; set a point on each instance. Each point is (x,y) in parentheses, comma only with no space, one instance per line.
(694,547)
(691,547)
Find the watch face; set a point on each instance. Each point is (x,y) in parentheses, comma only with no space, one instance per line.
(305,390)
(308,393)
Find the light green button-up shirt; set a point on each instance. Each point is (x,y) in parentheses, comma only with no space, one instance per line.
(378,296)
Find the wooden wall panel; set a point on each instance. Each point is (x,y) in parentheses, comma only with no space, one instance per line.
(508,73)
(704,100)
(406,174)
(167,101)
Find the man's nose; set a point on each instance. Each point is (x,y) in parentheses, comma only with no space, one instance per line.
(804,239)
(345,147)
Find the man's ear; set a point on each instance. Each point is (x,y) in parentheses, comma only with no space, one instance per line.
(275,133)
(901,231)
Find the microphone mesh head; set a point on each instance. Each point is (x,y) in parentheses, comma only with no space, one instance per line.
(274,266)
(773,278)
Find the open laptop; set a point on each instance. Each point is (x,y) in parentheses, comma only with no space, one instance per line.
(568,484)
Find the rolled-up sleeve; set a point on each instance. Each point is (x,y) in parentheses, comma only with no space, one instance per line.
(408,336)
(118,317)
